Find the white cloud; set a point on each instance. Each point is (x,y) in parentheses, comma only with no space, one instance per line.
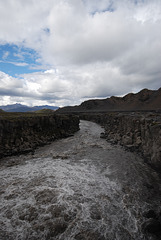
(19,64)
(5,55)
(98,48)
(7,82)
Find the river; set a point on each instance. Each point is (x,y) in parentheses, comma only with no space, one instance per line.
(81,187)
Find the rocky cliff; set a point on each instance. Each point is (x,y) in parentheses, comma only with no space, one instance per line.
(139,132)
(23,133)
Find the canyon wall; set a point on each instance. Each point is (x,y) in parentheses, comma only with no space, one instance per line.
(22,134)
(139,132)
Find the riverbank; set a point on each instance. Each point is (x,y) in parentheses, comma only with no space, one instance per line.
(136,131)
(23,132)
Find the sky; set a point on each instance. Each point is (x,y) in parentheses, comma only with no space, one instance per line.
(63,52)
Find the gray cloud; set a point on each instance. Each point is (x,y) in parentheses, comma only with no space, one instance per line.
(88,48)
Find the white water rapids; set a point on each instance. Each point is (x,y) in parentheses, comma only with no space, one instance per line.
(80,188)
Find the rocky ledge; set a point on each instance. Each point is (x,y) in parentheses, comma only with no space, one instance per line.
(23,133)
(137,131)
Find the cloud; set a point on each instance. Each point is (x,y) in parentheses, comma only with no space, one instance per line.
(87,48)
(19,64)
(103,36)
(8,82)
(5,55)
(95,6)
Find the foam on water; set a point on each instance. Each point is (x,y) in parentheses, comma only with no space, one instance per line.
(72,191)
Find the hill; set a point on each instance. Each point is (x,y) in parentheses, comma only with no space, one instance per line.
(23,108)
(145,100)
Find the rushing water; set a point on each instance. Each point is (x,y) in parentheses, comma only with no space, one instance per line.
(76,188)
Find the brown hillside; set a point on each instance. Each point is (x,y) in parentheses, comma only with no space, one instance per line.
(145,100)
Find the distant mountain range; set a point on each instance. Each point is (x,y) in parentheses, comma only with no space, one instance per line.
(145,100)
(23,108)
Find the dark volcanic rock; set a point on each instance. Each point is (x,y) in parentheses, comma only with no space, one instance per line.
(152,226)
(23,134)
(150,214)
(139,132)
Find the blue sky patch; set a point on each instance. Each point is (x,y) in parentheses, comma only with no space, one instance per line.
(15,60)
